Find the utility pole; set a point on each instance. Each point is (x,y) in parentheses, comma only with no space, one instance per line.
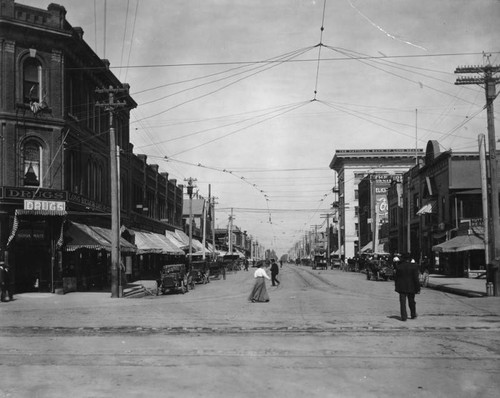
(230,233)
(213,222)
(111,105)
(484,194)
(487,79)
(189,188)
(328,249)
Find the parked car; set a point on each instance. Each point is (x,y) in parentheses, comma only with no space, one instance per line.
(200,271)
(173,278)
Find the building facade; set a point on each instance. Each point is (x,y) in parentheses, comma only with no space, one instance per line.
(55,186)
(351,166)
(431,205)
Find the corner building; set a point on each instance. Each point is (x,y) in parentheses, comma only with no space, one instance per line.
(352,166)
(54,158)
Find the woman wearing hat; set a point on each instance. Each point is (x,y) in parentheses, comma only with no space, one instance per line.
(259,291)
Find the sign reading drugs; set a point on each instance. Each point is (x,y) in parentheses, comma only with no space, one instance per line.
(44,205)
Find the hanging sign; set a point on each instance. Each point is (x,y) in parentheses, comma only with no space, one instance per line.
(44,205)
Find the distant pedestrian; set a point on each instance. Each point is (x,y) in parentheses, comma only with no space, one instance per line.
(407,284)
(259,291)
(274,272)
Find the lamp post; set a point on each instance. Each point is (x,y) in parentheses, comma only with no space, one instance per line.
(189,188)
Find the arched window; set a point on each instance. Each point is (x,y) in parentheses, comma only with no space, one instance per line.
(32,81)
(32,158)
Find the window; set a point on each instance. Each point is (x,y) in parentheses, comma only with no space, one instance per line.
(32,81)
(32,155)
(356,194)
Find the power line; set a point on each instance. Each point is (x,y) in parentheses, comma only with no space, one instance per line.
(347,58)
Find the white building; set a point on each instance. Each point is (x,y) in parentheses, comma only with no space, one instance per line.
(351,166)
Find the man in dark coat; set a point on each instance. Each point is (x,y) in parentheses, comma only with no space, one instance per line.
(407,284)
(274,272)
(5,282)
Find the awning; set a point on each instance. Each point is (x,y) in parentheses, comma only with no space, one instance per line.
(180,235)
(152,243)
(368,248)
(427,208)
(30,214)
(81,236)
(460,243)
(175,241)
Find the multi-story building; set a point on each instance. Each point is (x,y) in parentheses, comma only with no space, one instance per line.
(55,189)
(374,212)
(438,196)
(351,167)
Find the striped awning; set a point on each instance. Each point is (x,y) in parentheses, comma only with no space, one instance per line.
(26,214)
(81,236)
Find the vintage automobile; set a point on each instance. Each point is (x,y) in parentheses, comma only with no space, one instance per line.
(320,262)
(200,271)
(379,267)
(173,278)
(217,269)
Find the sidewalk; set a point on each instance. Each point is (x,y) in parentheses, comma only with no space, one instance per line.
(469,287)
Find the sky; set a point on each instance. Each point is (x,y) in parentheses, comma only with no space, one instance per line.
(253,97)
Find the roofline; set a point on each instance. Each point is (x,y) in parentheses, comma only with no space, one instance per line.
(342,154)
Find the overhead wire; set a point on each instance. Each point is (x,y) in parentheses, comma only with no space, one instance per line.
(263,69)
(124,35)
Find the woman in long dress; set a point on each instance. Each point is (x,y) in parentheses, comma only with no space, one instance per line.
(259,291)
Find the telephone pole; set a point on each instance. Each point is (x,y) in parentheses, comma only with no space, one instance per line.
(328,249)
(110,106)
(485,76)
(189,188)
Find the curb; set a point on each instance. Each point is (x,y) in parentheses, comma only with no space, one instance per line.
(459,292)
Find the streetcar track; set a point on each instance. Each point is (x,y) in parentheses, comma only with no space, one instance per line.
(181,330)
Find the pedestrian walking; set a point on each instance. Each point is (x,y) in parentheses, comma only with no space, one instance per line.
(274,272)
(407,284)
(259,291)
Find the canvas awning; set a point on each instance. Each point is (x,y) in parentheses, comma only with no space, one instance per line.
(427,209)
(368,248)
(81,236)
(152,243)
(21,214)
(174,240)
(460,243)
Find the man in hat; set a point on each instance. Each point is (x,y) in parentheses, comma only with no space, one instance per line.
(407,284)
(274,272)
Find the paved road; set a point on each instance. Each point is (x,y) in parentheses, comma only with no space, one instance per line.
(324,334)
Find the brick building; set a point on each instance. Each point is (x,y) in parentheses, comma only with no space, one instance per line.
(54,159)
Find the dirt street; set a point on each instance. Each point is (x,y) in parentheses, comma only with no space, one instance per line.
(323,334)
